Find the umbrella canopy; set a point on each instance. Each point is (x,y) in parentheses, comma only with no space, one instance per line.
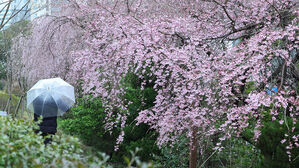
(50,97)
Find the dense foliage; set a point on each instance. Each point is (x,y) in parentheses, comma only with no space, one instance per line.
(236,154)
(87,121)
(20,147)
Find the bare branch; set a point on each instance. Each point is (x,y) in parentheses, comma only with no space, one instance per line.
(248,27)
(138,20)
(226,13)
(7,9)
(115,5)
(3,7)
(282,75)
(272,5)
(12,16)
(128,6)
(97,3)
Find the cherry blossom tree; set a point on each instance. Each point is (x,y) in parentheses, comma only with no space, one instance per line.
(213,65)
(44,53)
(13,16)
(224,67)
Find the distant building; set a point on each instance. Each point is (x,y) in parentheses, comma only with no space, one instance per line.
(18,10)
(28,10)
(40,8)
(46,7)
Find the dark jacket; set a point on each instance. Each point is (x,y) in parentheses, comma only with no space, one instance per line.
(44,108)
(48,125)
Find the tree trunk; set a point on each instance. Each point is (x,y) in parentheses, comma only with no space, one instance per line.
(18,106)
(193,149)
(7,104)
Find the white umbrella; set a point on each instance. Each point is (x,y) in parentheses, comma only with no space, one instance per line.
(50,97)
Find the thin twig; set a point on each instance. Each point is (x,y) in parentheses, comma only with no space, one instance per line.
(285,119)
(296,158)
(18,106)
(12,16)
(7,104)
(274,8)
(4,16)
(282,75)
(250,26)
(226,13)
(128,6)
(208,158)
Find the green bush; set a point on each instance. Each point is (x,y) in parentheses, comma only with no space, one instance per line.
(87,121)
(274,152)
(21,147)
(236,153)
(175,156)
(138,136)
(269,142)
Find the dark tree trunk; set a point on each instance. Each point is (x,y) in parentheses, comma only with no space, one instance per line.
(193,149)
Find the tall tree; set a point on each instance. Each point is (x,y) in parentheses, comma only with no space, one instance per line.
(202,81)
(218,66)
(15,25)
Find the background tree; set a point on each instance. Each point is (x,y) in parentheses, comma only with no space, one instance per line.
(13,14)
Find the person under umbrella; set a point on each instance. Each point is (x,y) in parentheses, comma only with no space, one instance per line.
(50,98)
(48,126)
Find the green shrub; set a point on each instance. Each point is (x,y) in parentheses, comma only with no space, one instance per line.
(21,147)
(269,142)
(274,152)
(236,153)
(87,121)
(135,160)
(175,156)
(138,136)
